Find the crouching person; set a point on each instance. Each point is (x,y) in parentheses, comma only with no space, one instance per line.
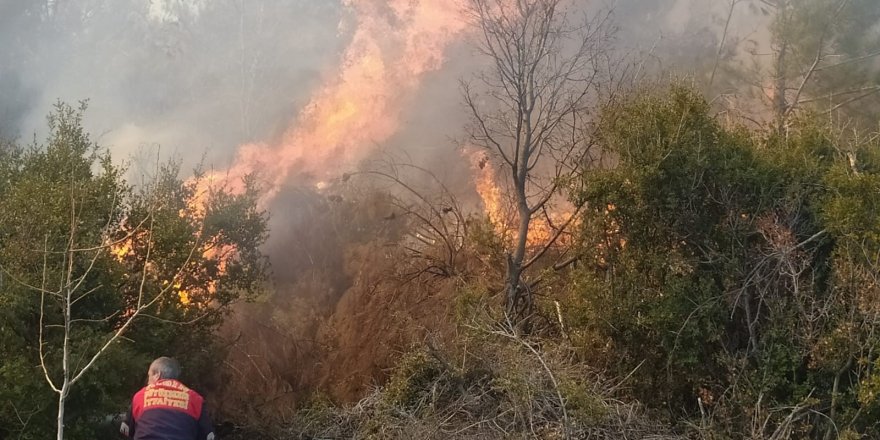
(166,409)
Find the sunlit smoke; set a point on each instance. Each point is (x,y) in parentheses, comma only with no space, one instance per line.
(394,44)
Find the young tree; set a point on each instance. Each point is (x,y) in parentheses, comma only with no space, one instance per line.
(823,56)
(820,58)
(530,111)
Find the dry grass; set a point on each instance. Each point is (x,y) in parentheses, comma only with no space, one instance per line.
(502,386)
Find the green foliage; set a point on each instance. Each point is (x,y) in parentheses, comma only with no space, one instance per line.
(582,401)
(730,272)
(654,219)
(412,375)
(65,211)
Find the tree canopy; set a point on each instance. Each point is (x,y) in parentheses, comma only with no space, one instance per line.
(733,272)
(162,252)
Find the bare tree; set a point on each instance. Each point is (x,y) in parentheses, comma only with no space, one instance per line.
(724,36)
(529,108)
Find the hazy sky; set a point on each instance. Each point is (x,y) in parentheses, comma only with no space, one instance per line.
(193,76)
(200,77)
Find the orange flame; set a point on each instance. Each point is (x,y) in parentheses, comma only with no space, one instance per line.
(121,250)
(542,228)
(394,43)
(125,251)
(486,184)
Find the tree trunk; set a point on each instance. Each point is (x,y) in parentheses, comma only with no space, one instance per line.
(779,103)
(62,396)
(515,260)
(65,360)
(835,397)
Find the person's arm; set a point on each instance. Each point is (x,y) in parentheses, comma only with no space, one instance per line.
(206,428)
(127,426)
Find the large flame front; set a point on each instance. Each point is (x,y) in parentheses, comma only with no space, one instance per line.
(394,43)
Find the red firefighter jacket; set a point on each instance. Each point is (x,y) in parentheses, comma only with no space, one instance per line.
(168,410)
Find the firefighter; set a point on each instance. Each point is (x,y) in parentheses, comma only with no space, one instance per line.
(166,409)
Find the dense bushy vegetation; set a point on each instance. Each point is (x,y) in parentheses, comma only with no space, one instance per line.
(726,285)
(733,271)
(665,272)
(92,267)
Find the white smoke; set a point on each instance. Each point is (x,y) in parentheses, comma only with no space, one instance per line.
(170,11)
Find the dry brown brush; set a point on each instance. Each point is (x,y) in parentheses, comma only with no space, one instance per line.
(492,384)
